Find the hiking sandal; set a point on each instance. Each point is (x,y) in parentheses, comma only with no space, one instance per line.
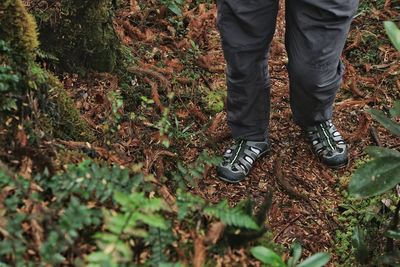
(240,158)
(328,144)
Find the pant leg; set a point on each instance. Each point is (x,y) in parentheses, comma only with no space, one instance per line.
(246,28)
(316,32)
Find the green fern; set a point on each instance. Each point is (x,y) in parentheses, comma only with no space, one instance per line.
(89,181)
(231,216)
(188,204)
(137,214)
(8,88)
(160,240)
(190,174)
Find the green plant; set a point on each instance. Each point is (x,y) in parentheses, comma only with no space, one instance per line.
(8,82)
(136,212)
(58,209)
(8,86)
(175,6)
(380,175)
(89,181)
(270,258)
(114,116)
(383,172)
(393,33)
(188,175)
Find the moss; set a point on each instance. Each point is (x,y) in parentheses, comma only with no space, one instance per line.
(67,121)
(19,32)
(82,36)
(66,157)
(366,214)
(19,28)
(214,100)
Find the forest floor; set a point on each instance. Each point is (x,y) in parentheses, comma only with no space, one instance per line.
(183,56)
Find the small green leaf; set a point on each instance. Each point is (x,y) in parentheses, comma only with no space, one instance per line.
(154,220)
(96,259)
(393,32)
(267,256)
(379,116)
(375,177)
(316,260)
(296,254)
(175,9)
(395,111)
(393,234)
(379,152)
(122,199)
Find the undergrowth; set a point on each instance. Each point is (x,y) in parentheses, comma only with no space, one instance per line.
(364,223)
(110,214)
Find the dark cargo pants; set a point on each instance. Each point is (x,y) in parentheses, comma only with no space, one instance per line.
(316,31)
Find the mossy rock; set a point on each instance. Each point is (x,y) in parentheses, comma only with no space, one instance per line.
(19,28)
(66,121)
(80,33)
(19,34)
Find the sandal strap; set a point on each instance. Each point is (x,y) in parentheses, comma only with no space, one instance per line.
(244,154)
(240,158)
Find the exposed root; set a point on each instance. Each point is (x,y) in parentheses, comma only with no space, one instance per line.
(286,227)
(351,102)
(284,184)
(158,76)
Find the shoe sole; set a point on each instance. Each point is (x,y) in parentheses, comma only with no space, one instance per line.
(337,167)
(236,182)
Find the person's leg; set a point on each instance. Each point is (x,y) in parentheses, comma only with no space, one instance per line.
(246,28)
(316,32)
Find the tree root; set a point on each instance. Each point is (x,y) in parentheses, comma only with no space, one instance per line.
(158,76)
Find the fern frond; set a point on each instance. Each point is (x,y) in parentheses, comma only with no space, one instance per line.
(231,216)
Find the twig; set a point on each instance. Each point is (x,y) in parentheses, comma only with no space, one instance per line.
(375,137)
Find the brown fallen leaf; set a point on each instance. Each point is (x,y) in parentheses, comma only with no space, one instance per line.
(26,167)
(155,94)
(215,232)
(21,138)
